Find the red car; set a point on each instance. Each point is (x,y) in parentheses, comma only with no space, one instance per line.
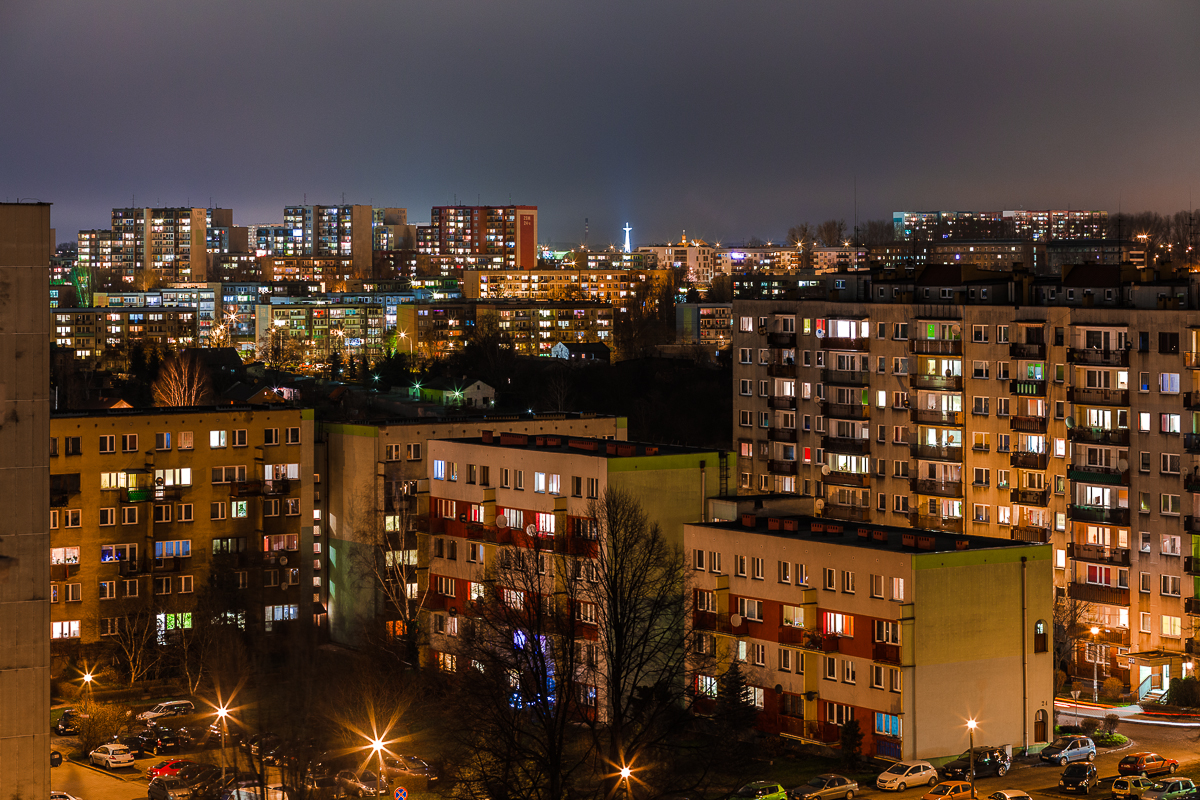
(1147,764)
(167,769)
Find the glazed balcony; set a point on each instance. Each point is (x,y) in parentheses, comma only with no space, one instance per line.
(1030,497)
(782,467)
(938,488)
(886,653)
(781,434)
(933,452)
(1098,358)
(936,347)
(861,344)
(782,403)
(1024,424)
(847,410)
(1096,593)
(848,513)
(1098,397)
(1024,387)
(1031,533)
(857,480)
(1030,351)
(846,445)
(1099,554)
(1119,436)
(1029,460)
(781,339)
(940,383)
(929,416)
(1113,516)
(845,377)
(930,523)
(1095,473)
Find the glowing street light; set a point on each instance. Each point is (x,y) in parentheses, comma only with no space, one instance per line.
(1095,666)
(223,717)
(377,746)
(971,725)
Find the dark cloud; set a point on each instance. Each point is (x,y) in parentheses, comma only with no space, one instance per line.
(728,119)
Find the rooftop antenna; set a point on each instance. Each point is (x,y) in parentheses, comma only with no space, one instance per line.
(855,212)
(585,233)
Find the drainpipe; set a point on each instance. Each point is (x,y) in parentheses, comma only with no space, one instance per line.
(703,491)
(1025,654)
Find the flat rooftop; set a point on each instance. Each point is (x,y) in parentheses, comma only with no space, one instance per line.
(582,445)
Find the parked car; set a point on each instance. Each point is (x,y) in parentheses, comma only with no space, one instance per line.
(1066,749)
(363,783)
(902,774)
(111,755)
(171,708)
(55,758)
(1080,778)
(1174,789)
(988,761)
(948,790)
(68,722)
(324,787)
(408,767)
(168,769)
(153,740)
(1130,788)
(825,787)
(1147,764)
(62,796)
(1009,794)
(762,790)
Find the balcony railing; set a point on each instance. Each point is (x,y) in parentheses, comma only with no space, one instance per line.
(776,370)
(1031,351)
(847,410)
(1098,397)
(1028,460)
(1024,424)
(1029,497)
(1030,533)
(845,377)
(720,623)
(1191,605)
(862,344)
(781,434)
(1098,358)
(1119,436)
(1095,593)
(859,480)
(1114,516)
(1191,565)
(152,493)
(1099,554)
(1191,524)
(941,383)
(938,488)
(846,445)
(1191,442)
(1094,473)
(936,347)
(930,523)
(781,402)
(887,653)
(933,452)
(929,416)
(781,339)
(782,467)
(794,634)
(1024,387)
(1191,360)
(1191,401)
(848,513)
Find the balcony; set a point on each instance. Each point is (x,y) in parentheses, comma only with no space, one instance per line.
(1098,397)
(811,730)
(1191,605)
(1191,442)
(929,523)
(862,344)
(848,513)
(1023,424)
(1191,524)
(886,653)
(781,339)
(782,370)
(929,416)
(1030,351)
(846,445)
(939,383)
(847,410)
(245,488)
(938,488)
(151,494)
(845,377)
(1191,401)
(1099,436)
(781,434)
(719,623)
(1024,387)
(782,403)
(1028,460)
(277,486)
(1113,516)
(1031,533)
(782,467)
(1096,593)
(933,452)
(1098,358)
(936,347)
(1094,473)
(1099,554)
(1191,360)
(857,480)
(1191,565)
(795,635)
(1030,497)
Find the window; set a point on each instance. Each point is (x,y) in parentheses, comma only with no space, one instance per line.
(714,562)
(1169,504)
(1170,545)
(1169,463)
(72,445)
(185,512)
(980,370)
(1169,585)
(848,582)
(64,555)
(291,436)
(64,630)
(898,589)
(391,452)
(837,713)
(1168,382)
(216,510)
(981,406)
(1169,423)
(413,451)
(108,516)
(181,548)
(108,444)
(185,584)
(979,333)
(1170,626)
(162,585)
(162,441)
(887,724)
(217,439)
(117,552)
(877,586)
(1041,636)
(162,513)
(756,566)
(239,438)
(750,609)
(70,518)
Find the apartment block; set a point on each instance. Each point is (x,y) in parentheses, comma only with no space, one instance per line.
(908,632)
(506,233)
(708,324)
(377,492)
(104,335)
(696,258)
(597,285)
(1037,409)
(319,329)
(1037,225)
(332,231)
(171,242)
(533,327)
(147,505)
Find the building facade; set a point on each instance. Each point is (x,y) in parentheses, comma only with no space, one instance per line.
(508,233)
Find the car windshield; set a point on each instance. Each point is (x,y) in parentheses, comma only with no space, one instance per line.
(1076,770)
(1060,743)
(1129,760)
(942,788)
(817,782)
(896,769)
(752,791)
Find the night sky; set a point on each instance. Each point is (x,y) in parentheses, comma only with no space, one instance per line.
(728,119)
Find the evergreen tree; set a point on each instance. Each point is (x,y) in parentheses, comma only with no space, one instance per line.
(734,714)
(851,743)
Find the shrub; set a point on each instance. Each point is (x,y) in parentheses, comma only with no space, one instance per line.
(1110,723)
(1112,688)
(1184,692)
(1089,725)
(1060,682)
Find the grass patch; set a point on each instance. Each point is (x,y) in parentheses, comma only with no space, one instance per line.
(1109,739)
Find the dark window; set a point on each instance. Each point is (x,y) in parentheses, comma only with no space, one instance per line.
(1039,636)
(1143,341)
(1168,342)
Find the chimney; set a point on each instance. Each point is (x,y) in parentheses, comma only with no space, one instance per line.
(748,520)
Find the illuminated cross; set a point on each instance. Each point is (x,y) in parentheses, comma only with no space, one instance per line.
(627,229)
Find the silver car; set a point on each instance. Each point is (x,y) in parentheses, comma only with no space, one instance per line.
(903,774)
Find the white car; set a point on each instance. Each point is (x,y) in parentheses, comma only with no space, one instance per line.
(171,708)
(111,755)
(903,774)
(62,796)
(1009,794)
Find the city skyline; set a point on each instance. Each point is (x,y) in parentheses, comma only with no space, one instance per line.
(728,126)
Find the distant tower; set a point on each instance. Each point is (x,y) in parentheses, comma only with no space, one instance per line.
(627,229)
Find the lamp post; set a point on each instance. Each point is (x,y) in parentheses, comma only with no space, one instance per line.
(1095,666)
(404,336)
(87,684)
(971,724)
(377,746)
(222,716)
(625,773)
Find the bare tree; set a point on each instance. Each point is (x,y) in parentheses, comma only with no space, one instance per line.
(832,232)
(878,232)
(182,381)
(99,723)
(721,290)
(279,350)
(1072,619)
(135,641)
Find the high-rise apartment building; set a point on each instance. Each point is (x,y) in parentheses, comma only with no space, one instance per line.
(171,242)
(506,232)
(1058,411)
(26,245)
(1039,226)
(343,231)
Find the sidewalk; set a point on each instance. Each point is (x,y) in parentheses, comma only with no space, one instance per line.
(1132,713)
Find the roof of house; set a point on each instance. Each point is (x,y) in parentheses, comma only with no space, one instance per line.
(586,445)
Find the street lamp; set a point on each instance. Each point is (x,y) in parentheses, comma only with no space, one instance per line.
(377,746)
(1095,666)
(222,717)
(404,336)
(971,724)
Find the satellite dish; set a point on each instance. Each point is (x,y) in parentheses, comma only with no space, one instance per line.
(1070,422)
(779,688)
(735,620)
(283,560)
(956,328)
(1122,465)
(819,505)
(531,529)
(824,469)
(501,521)
(453,611)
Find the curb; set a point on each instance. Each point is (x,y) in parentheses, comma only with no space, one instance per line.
(135,775)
